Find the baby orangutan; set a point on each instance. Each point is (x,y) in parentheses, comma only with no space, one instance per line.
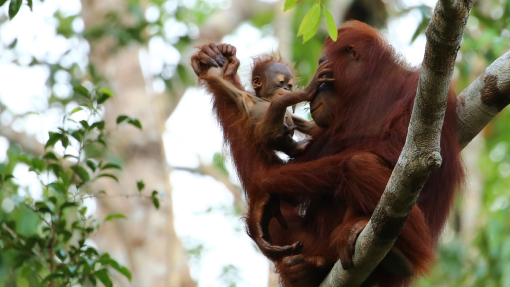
(271,80)
(273,126)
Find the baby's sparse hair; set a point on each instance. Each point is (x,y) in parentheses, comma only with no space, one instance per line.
(260,62)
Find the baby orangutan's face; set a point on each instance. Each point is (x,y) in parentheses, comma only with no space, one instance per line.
(278,81)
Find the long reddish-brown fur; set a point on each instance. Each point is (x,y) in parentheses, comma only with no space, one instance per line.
(249,152)
(338,181)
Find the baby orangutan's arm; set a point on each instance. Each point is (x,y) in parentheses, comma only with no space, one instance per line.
(243,99)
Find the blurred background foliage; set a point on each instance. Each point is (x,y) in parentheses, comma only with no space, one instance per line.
(140,50)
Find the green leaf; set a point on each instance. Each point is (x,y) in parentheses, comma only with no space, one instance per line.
(423,25)
(65,141)
(15,42)
(289,4)
(45,206)
(84,124)
(108,175)
(26,271)
(81,90)
(121,119)
(104,94)
(140,185)
(14,7)
(99,125)
(37,164)
(92,165)
(155,200)
(111,165)
(68,204)
(113,216)
(76,110)
(50,155)
(53,276)
(59,187)
(123,270)
(101,141)
(104,259)
(8,176)
(83,210)
(78,135)
(81,172)
(2,2)
(30,4)
(330,23)
(55,168)
(61,254)
(135,122)
(54,138)
(70,155)
(308,35)
(103,276)
(311,20)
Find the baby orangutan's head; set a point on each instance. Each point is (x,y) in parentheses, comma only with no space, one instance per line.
(271,77)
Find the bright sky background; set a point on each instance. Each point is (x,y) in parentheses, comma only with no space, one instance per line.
(192,131)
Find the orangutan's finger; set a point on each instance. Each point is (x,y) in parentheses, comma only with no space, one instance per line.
(213,55)
(220,59)
(207,60)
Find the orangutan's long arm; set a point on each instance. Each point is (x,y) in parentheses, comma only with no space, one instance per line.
(351,170)
(317,177)
(243,99)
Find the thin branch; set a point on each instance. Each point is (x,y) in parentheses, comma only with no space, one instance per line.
(479,103)
(420,155)
(214,172)
(29,144)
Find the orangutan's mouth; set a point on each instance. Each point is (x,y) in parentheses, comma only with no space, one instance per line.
(316,107)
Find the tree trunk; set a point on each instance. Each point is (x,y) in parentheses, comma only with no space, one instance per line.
(146,242)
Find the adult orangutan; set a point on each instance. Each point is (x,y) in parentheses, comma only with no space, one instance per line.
(329,193)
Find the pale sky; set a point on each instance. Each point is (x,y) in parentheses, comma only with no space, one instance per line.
(192,131)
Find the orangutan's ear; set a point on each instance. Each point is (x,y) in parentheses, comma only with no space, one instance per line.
(354,53)
(257,83)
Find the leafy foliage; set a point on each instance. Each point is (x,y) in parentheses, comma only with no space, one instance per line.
(311,21)
(43,242)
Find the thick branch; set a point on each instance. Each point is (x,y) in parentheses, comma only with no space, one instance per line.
(479,103)
(421,153)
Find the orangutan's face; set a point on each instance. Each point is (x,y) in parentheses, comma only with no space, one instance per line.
(321,106)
